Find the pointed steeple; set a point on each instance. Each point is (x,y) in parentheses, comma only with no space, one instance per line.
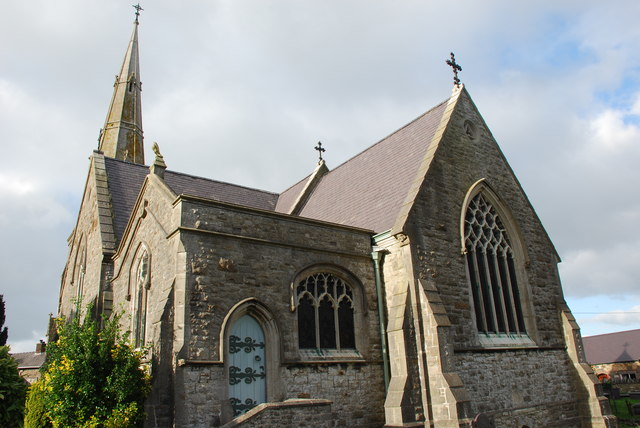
(121,137)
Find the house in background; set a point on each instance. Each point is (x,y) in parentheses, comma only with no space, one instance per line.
(615,356)
(29,363)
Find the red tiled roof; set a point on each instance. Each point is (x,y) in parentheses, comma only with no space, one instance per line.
(617,347)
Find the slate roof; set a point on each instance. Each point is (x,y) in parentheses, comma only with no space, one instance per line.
(125,181)
(289,196)
(368,190)
(126,178)
(220,191)
(617,347)
(29,359)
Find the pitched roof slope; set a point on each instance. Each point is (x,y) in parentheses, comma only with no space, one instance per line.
(289,196)
(30,359)
(220,191)
(125,180)
(612,347)
(368,190)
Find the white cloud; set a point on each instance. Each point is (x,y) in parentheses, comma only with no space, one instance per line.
(610,133)
(15,185)
(621,317)
(611,269)
(27,345)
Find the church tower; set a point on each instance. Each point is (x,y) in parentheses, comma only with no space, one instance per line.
(121,138)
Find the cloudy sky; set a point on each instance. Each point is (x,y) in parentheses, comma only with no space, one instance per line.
(241,91)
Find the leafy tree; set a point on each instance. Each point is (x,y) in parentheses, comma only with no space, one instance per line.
(4,333)
(93,377)
(12,391)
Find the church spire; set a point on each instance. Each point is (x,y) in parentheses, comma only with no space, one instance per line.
(121,137)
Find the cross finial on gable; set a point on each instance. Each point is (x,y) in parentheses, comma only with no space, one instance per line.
(456,67)
(138,8)
(320,150)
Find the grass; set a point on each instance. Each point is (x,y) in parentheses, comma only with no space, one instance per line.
(621,410)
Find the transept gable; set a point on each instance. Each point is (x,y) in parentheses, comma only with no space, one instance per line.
(469,130)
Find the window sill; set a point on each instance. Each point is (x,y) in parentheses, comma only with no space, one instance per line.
(320,355)
(505,341)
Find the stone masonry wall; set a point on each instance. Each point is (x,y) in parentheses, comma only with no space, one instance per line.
(235,254)
(519,380)
(356,390)
(152,220)
(85,235)
(288,414)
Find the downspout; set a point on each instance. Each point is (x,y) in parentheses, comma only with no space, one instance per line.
(376,257)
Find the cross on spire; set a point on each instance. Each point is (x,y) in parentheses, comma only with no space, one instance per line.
(138,8)
(320,150)
(456,67)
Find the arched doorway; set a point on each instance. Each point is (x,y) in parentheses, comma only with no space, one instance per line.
(247,365)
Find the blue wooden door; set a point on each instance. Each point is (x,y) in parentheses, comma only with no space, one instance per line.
(247,376)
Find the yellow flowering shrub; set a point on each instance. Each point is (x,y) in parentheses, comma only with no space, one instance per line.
(93,377)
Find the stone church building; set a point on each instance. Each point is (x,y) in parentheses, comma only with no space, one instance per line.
(413,285)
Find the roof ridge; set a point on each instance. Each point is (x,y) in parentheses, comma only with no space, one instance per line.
(615,332)
(125,161)
(389,135)
(219,181)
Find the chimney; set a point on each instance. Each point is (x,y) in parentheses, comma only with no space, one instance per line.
(40,347)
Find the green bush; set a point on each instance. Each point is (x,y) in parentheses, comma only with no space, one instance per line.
(13,390)
(93,377)
(36,408)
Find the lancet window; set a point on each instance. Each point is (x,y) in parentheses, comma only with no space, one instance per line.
(492,268)
(82,268)
(140,299)
(325,313)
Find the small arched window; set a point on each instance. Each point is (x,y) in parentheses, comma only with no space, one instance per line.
(140,299)
(325,306)
(492,268)
(82,269)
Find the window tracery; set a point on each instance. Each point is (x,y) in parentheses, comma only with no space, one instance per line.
(325,313)
(491,264)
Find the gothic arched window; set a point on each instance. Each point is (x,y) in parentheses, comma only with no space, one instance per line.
(82,268)
(492,268)
(140,298)
(325,313)
(80,272)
